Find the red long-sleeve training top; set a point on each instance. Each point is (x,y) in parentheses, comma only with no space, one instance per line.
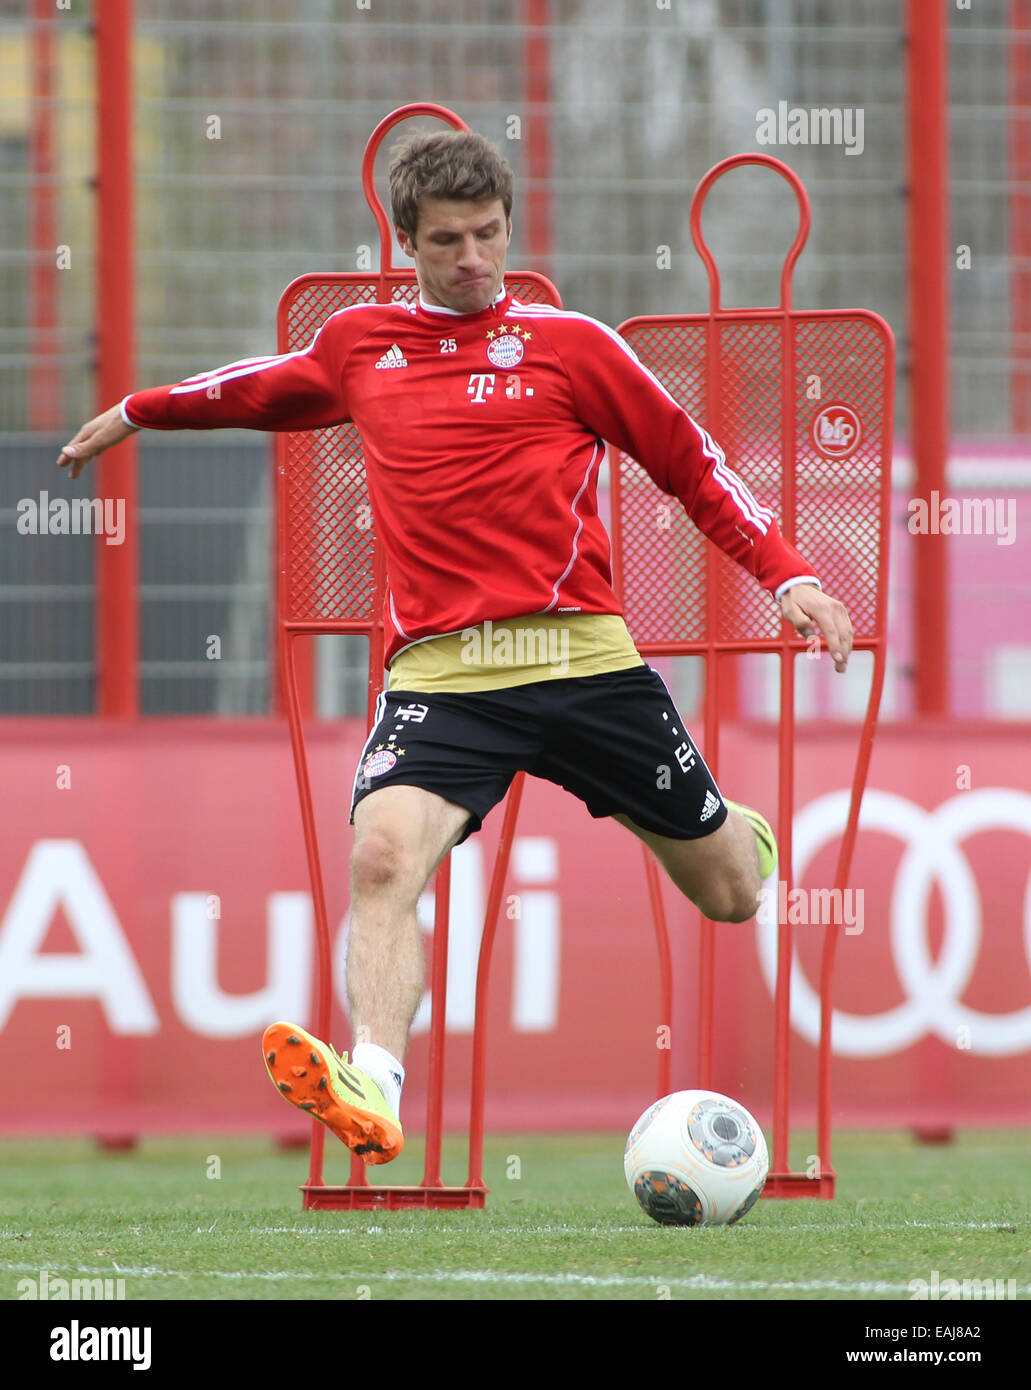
(484,434)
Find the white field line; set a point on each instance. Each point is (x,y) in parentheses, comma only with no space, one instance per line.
(705,1282)
(437,1227)
(440,1228)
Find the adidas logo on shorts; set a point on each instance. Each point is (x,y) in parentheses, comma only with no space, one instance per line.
(393,357)
(712,804)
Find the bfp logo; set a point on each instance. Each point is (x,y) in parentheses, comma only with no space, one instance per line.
(836,431)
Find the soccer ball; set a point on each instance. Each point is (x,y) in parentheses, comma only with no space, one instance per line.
(696,1158)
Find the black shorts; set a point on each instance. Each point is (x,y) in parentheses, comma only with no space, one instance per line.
(616,741)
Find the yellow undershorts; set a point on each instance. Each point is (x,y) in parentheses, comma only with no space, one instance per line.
(495,655)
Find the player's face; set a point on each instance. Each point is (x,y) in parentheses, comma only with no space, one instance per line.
(459,252)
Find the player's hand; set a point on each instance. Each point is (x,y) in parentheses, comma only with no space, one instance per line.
(808,610)
(94,437)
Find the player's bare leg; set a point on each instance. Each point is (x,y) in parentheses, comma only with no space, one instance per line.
(719,872)
(401,835)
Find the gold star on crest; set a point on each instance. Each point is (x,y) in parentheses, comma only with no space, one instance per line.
(491,334)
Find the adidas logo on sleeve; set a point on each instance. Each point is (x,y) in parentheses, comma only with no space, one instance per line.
(393,357)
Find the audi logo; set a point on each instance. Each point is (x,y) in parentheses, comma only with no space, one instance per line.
(934,990)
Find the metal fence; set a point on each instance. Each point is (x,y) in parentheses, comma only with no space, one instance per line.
(205,562)
(250,122)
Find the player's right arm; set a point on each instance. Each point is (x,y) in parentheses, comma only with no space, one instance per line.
(291,391)
(95,436)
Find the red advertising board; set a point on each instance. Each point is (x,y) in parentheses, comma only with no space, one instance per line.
(155,915)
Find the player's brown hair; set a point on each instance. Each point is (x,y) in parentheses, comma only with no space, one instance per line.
(456,164)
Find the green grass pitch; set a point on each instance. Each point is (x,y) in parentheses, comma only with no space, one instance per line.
(559,1224)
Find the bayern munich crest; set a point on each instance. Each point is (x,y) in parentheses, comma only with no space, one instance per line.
(505,346)
(379,762)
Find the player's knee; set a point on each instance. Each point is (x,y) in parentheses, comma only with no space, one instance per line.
(743,907)
(733,899)
(378,863)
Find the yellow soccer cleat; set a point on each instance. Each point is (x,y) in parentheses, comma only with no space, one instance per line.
(765,841)
(315,1078)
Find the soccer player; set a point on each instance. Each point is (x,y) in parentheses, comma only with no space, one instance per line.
(485,423)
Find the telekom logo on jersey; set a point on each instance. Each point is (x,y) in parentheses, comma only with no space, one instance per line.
(481,385)
(58,874)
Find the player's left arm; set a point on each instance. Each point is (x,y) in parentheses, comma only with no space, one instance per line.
(622,402)
(809,610)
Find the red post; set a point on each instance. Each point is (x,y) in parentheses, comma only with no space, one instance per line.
(44,376)
(536,95)
(1019,58)
(926,72)
(117,629)
(438,1026)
